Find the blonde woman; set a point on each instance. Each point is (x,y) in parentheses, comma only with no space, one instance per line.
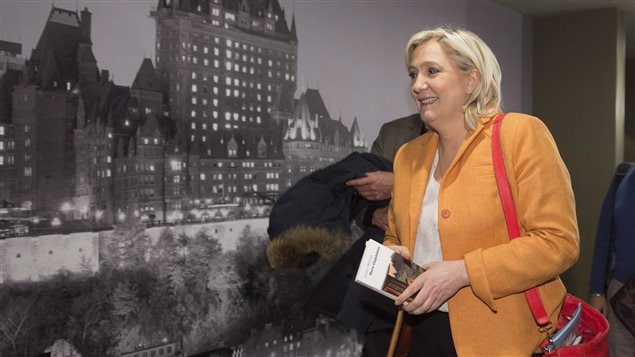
(446,214)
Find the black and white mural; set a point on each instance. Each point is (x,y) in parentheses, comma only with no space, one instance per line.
(143,144)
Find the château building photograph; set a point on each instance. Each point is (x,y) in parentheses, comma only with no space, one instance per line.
(102,181)
(211,120)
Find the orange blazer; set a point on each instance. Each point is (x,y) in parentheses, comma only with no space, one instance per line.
(491,317)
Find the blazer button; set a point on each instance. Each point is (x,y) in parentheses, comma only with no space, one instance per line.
(445,213)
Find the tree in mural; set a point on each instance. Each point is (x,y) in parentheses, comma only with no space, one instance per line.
(90,324)
(125,301)
(16,320)
(128,244)
(72,308)
(254,273)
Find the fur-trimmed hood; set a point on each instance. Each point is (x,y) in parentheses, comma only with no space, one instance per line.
(312,219)
(298,246)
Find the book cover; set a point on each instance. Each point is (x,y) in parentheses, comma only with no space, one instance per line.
(385,271)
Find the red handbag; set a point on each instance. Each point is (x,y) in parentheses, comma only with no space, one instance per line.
(593,326)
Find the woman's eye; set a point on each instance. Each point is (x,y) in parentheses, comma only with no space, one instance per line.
(433,71)
(412,75)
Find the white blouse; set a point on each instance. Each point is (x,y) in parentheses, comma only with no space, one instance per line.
(427,244)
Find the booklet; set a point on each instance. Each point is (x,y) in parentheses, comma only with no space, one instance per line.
(385,271)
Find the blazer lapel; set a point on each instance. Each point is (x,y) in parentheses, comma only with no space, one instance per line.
(468,141)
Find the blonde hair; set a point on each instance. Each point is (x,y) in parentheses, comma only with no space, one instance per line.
(469,52)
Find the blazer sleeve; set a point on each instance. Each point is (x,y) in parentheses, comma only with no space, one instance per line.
(391,237)
(545,205)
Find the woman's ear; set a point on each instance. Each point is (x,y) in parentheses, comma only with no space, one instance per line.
(472,81)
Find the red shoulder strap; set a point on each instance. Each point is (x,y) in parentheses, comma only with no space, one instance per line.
(511,218)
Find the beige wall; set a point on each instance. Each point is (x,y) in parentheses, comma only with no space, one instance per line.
(629,127)
(579,93)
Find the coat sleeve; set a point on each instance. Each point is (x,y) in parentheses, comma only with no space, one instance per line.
(602,248)
(545,205)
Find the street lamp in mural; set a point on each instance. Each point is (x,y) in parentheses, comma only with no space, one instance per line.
(99,214)
(56,222)
(67,210)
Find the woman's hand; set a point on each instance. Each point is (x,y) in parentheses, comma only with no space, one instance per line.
(436,285)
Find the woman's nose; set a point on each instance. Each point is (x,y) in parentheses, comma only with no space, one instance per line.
(419,84)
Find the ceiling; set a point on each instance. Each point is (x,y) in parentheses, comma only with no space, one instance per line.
(552,7)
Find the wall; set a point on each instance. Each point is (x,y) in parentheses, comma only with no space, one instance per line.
(629,125)
(40,257)
(37,258)
(578,87)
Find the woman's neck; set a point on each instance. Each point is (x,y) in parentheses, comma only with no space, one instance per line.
(449,145)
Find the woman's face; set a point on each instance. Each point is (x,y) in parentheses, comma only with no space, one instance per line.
(438,86)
